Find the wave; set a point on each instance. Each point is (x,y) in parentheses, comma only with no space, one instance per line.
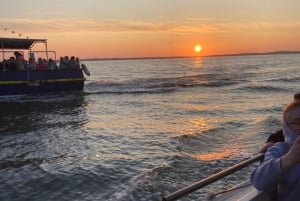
(55,97)
(158,182)
(17,163)
(290,79)
(133,91)
(158,85)
(202,142)
(145,186)
(263,89)
(136,86)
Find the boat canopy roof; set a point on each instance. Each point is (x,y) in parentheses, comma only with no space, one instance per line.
(18,43)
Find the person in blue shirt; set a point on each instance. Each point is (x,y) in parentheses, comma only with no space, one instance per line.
(280,168)
(278,135)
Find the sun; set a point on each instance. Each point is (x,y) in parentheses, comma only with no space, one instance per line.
(197,48)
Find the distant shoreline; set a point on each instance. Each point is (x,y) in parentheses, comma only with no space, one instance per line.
(258,53)
(178,57)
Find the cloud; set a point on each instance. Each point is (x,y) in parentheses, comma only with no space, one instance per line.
(74,25)
(185,26)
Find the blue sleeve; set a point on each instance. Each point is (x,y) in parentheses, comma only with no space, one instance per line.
(266,176)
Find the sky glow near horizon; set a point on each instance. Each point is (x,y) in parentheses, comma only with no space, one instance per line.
(155,28)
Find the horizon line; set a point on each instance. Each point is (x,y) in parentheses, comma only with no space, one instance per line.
(174,57)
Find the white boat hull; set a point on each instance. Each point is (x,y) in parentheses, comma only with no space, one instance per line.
(243,192)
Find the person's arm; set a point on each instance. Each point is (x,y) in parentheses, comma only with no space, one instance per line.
(266,176)
(279,160)
(265,147)
(272,139)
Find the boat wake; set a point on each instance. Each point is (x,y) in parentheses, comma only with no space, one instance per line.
(144,186)
(155,85)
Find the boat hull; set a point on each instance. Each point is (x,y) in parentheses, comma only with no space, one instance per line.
(245,191)
(31,82)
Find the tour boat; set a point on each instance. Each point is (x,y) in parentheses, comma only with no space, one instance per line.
(15,81)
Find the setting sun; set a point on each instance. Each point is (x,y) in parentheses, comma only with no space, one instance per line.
(198,48)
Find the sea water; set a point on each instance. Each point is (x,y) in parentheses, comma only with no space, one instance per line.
(143,128)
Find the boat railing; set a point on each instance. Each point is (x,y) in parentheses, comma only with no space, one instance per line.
(3,52)
(46,52)
(215,177)
(30,53)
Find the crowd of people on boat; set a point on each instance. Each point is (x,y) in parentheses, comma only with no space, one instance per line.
(18,63)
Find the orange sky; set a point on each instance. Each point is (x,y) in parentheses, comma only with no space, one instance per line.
(153,28)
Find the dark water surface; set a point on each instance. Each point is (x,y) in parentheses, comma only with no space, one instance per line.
(143,128)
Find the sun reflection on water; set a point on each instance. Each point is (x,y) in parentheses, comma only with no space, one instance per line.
(211,156)
(198,62)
